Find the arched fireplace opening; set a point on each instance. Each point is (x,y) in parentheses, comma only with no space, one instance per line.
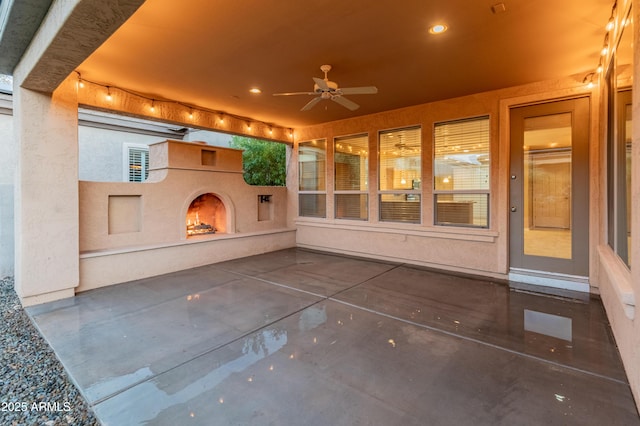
(206,215)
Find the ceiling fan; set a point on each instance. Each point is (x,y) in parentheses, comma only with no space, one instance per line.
(326,89)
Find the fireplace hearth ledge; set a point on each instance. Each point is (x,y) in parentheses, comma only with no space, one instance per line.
(115,266)
(190,240)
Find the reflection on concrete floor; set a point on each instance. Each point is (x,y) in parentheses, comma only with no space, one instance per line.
(299,337)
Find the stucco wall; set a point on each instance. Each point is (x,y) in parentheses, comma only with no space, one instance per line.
(152,239)
(102,137)
(211,138)
(470,250)
(165,197)
(7,171)
(619,285)
(101,152)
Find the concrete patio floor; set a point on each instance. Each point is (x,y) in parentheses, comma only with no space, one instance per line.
(305,338)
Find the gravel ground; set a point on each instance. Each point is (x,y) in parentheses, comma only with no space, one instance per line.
(34,388)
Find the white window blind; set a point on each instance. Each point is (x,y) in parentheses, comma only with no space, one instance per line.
(400,159)
(351,163)
(400,175)
(461,172)
(312,157)
(136,163)
(312,160)
(351,166)
(462,154)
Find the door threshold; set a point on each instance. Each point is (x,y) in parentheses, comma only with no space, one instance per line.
(549,279)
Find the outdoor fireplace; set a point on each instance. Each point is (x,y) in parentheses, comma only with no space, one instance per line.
(194,209)
(206,215)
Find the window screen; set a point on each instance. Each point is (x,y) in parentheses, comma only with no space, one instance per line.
(461,172)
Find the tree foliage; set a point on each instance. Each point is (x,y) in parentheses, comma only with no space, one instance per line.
(264,162)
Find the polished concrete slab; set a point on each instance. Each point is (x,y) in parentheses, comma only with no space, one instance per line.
(298,337)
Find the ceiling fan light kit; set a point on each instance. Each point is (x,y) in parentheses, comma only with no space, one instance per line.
(326,89)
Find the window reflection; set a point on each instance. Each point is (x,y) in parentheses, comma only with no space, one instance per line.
(619,160)
(400,175)
(547,186)
(312,178)
(461,172)
(351,165)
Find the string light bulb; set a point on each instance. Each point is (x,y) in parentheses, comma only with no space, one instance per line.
(588,80)
(605,46)
(263,127)
(80,82)
(611,24)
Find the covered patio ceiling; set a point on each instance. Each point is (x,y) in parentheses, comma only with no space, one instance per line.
(210,54)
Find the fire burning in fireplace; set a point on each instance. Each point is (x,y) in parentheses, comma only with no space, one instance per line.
(206,215)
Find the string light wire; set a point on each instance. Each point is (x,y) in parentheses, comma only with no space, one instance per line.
(191,108)
(609,27)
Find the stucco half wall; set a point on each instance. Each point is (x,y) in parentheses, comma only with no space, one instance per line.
(455,250)
(130,231)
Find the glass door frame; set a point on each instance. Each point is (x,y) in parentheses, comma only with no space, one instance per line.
(578,265)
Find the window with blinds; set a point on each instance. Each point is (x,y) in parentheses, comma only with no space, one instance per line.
(461,172)
(136,163)
(351,165)
(400,175)
(312,159)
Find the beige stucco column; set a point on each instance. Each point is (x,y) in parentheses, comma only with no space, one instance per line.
(46,194)
(45,111)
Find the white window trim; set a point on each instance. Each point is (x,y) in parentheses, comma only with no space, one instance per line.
(126,148)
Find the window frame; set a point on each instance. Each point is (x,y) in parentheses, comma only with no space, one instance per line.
(127,149)
(619,203)
(320,173)
(413,195)
(363,176)
(462,192)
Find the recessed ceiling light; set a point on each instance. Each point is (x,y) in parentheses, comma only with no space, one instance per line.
(438,29)
(255,90)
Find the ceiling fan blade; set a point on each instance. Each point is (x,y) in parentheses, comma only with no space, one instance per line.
(321,84)
(311,104)
(365,90)
(345,102)
(294,93)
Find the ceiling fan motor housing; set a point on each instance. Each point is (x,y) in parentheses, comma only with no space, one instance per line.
(326,89)
(333,86)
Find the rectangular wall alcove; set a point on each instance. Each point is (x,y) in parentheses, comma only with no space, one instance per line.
(265,208)
(125,214)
